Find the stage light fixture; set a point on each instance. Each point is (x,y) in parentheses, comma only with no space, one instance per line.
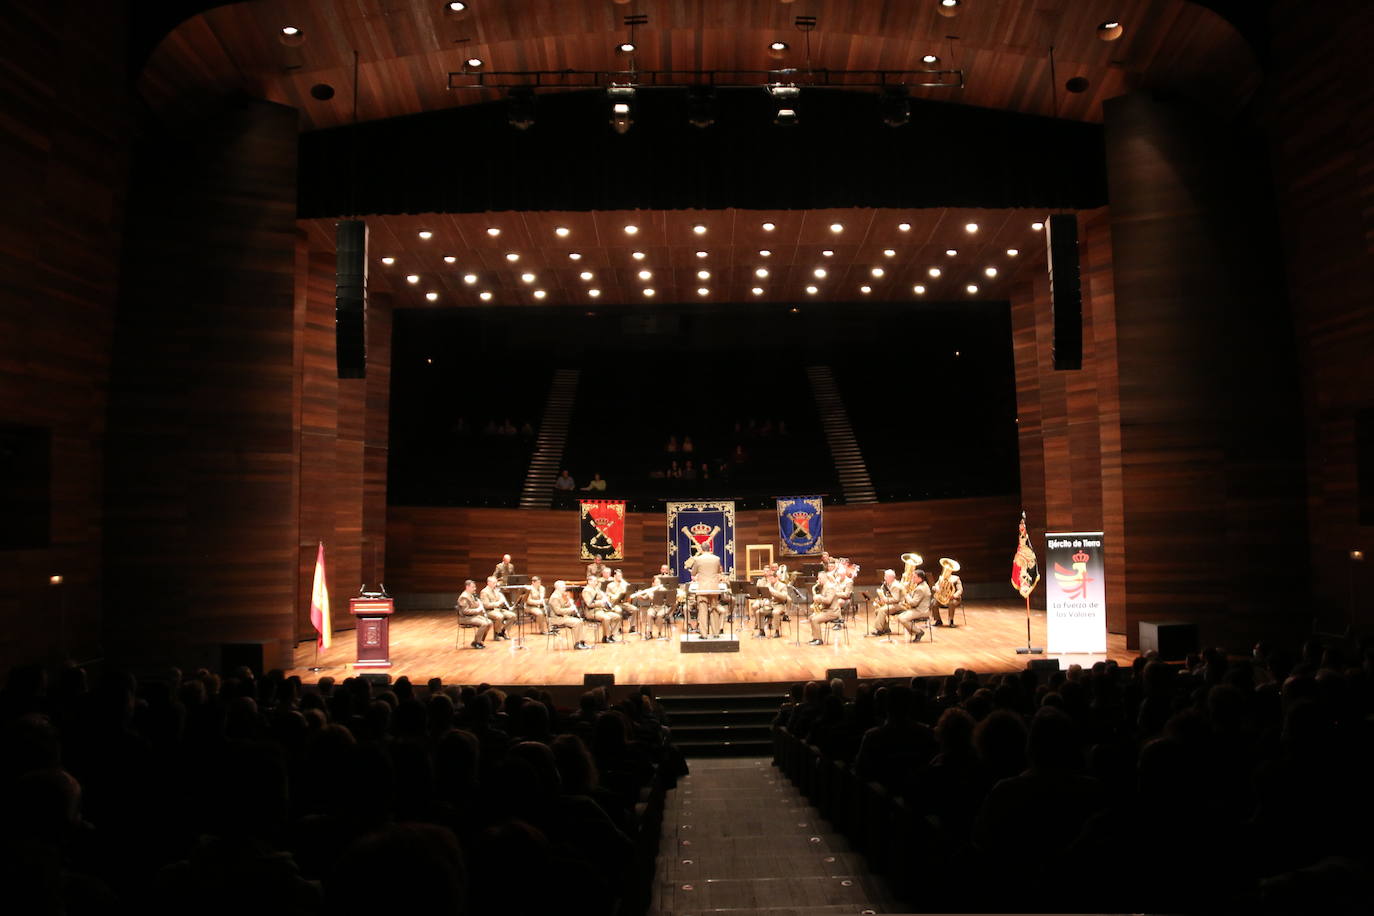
(970,228)
(948,8)
(877,271)
(290,30)
(520,108)
(784,91)
(701,107)
(527,277)
(645,274)
(539,294)
(769,227)
(593,292)
(457,6)
(703,291)
(934,272)
(819,273)
(574,255)
(631,229)
(757,291)
(388,261)
(699,229)
(1110,30)
(412,278)
(703,275)
(889,252)
(450,259)
(648,291)
(432,296)
(972,288)
(812,290)
(865,290)
(701,254)
(951,252)
(493,231)
(894,107)
(919,290)
(1037,225)
(929,59)
(484,295)
(761,272)
(585,275)
(425,234)
(626,47)
(786,117)
(777,47)
(904,227)
(990,271)
(512,256)
(765,253)
(473,63)
(469,279)
(1013,252)
(637,255)
(827,252)
(562,232)
(620,117)
(836,228)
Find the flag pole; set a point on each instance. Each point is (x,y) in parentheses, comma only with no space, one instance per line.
(1028,649)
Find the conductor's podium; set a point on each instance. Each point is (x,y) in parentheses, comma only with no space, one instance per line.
(374,640)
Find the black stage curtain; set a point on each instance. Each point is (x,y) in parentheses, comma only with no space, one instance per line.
(841,154)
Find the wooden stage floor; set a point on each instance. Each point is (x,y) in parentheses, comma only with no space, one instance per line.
(422,646)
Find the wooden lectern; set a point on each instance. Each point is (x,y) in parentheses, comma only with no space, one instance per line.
(374,640)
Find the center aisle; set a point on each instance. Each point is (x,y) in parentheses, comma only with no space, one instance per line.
(738,838)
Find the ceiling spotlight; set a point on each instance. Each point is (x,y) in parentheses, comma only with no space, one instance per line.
(432,296)
(626,47)
(765,253)
(786,117)
(827,252)
(620,117)
(473,63)
(934,272)
(388,261)
(425,234)
(701,107)
(819,273)
(539,294)
(574,255)
(512,257)
(457,7)
(450,259)
(699,229)
(919,290)
(631,229)
(929,59)
(1110,30)
(877,271)
(769,227)
(904,227)
(527,277)
(645,274)
(637,255)
(761,273)
(970,227)
(812,290)
(485,295)
(412,278)
(990,271)
(777,46)
(585,275)
(648,290)
(951,252)
(703,291)
(894,107)
(469,279)
(493,231)
(757,291)
(889,252)
(520,108)
(948,8)
(562,232)
(703,275)
(865,290)
(836,227)
(593,292)
(1037,225)
(701,254)
(1013,252)
(290,30)
(972,288)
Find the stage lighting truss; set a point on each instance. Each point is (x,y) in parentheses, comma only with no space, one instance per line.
(687,80)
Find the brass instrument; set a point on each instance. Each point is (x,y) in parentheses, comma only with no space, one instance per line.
(910,562)
(944,586)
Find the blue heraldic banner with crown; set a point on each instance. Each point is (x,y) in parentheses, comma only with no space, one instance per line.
(693,527)
(801,525)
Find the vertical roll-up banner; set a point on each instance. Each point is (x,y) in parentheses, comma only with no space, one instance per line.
(1076,600)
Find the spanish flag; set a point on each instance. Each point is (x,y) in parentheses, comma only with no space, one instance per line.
(319,602)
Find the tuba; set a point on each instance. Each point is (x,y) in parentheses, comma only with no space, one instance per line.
(944,587)
(910,561)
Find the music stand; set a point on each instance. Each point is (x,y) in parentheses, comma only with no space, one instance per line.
(803,600)
(517,579)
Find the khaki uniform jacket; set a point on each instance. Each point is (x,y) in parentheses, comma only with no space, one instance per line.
(920,599)
(492,599)
(469,605)
(893,597)
(829,598)
(778,593)
(706,572)
(503,571)
(535,597)
(593,600)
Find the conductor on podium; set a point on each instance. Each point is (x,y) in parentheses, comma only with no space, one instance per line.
(710,585)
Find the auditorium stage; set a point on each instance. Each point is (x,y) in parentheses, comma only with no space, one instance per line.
(422,646)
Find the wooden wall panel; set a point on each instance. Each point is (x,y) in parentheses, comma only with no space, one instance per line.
(203,451)
(64,154)
(431,550)
(1322,124)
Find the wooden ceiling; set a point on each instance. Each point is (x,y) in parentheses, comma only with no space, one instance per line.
(732,242)
(407,47)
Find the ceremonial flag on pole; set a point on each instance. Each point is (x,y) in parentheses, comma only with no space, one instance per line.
(1025,573)
(319,602)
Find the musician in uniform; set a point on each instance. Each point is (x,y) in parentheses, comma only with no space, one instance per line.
(595,568)
(504,570)
(710,583)
(536,605)
(886,603)
(562,613)
(827,602)
(470,609)
(497,608)
(660,611)
(596,606)
(915,605)
(949,591)
(768,611)
(618,594)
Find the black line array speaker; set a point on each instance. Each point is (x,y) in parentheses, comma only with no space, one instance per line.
(1066,293)
(350,299)
(598,680)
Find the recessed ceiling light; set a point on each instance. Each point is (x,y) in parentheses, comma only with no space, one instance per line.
(948,8)
(951,252)
(777,46)
(512,256)
(703,275)
(412,278)
(765,253)
(562,231)
(484,295)
(836,227)
(919,290)
(450,259)
(795,310)
(972,288)
(699,229)
(877,271)
(493,231)
(593,292)
(539,294)
(930,59)
(990,271)
(425,234)
(1037,225)
(889,252)
(970,227)
(574,255)
(812,290)
(827,252)
(290,30)
(388,261)
(527,277)
(761,272)
(865,290)
(626,47)
(819,273)
(648,290)
(631,229)
(1110,30)
(474,63)
(457,6)
(637,255)
(703,291)
(645,274)
(757,291)
(432,296)
(469,278)
(1013,252)
(934,271)
(701,254)
(585,275)
(769,227)
(904,227)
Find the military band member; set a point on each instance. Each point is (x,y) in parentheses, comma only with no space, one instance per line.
(504,570)
(537,605)
(470,609)
(916,606)
(563,614)
(596,606)
(827,603)
(949,591)
(768,611)
(710,585)
(496,608)
(659,612)
(618,594)
(886,603)
(595,569)
(827,561)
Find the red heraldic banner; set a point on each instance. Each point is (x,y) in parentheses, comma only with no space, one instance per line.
(603,529)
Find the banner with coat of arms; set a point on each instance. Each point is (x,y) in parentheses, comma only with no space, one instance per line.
(694,527)
(800,525)
(602,530)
